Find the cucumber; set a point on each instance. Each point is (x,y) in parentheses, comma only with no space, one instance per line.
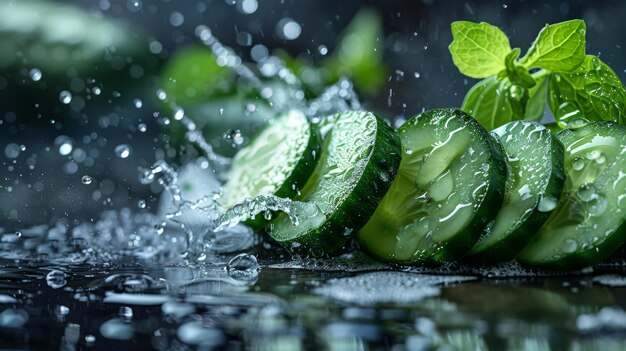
(277,162)
(359,160)
(534,185)
(450,181)
(588,223)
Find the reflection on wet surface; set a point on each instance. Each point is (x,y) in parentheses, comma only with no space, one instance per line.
(236,303)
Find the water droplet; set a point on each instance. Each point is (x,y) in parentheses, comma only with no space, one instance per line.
(288,29)
(177,19)
(248,6)
(578,163)
(567,112)
(123,150)
(12,151)
(65,97)
(577,123)
(141,203)
(35,74)
(161,95)
(322,49)
(569,245)
(243,267)
(546,204)
(142,127)
(90,339)
(235,136)
(86,179)
(597,205)
(179,113)
(593,154)
(134,5)
(56,279)
(126,312)
(66,148)
(586,192)
(138,103)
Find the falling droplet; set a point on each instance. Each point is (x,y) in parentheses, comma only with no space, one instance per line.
(35,74)
(179,113)
(65,97)
(86,179)
(123,150)
(66,148)
(161,95)
(288,29)
(138,103)
(141,204)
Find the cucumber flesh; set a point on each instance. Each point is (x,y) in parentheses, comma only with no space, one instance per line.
(359,160)
(589,221)
(277,162)
(534,184)
(450,179)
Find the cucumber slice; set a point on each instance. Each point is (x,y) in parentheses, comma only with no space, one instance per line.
(588,223)
(359,161)
(450,180)
(534,185)
(278,162)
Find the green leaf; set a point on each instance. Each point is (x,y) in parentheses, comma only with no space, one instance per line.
(592,91)
(193,76)
(359,53)
(559,47)
(489,102)
(537,96)
(517,73)
(478,49)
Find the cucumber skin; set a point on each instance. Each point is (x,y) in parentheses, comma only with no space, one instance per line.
(597,253)
(359,206)
(300,175)
(515,242)
(463,242)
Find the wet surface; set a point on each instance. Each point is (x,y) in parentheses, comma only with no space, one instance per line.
(235,303)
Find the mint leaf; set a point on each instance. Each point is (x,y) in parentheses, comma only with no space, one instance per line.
(478,49)
(489,102)
(559,47)
(592,91)
(517,73)
(537,96)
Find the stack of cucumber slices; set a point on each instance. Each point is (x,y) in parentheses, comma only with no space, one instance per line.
(440,188)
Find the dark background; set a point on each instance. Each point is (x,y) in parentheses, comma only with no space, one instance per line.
(36,186)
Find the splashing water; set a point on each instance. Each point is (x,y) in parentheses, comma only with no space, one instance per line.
(202,218)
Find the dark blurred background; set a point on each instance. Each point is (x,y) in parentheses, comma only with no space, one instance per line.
(64,114)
